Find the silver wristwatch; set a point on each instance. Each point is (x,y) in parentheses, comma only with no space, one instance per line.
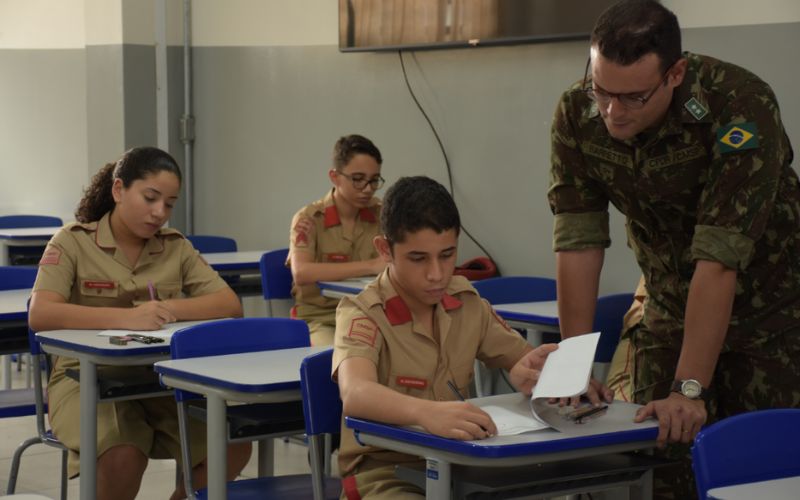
(690,388)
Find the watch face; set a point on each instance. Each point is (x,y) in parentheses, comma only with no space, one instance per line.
(691,389)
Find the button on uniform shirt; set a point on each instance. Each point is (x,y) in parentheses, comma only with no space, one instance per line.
(378,325)
(83,264)
(713,182)
(317,230)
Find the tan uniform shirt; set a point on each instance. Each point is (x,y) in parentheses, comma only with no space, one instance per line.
(317,230)
(83,264)
(378,325)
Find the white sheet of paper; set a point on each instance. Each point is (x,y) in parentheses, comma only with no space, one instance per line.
(567,370)
(164,333)
(513,418)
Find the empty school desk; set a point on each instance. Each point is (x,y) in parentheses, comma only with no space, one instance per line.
(339,289)
(13,327)
(787,488)
(23,237)
(253,377)
(244,265)
(92,350)
(563,462)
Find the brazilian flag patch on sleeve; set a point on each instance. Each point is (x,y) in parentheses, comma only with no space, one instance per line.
(737,137)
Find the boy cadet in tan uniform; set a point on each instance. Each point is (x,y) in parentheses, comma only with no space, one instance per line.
(331,239)
(415,328)
(103,273)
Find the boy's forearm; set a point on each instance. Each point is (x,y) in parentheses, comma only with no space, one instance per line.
(374,401)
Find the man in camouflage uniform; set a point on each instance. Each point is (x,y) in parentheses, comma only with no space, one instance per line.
(692,150)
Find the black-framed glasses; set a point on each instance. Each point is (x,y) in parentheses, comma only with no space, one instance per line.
(630,101)
(360,181)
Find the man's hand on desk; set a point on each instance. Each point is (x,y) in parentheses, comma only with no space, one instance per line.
(525,373)
(597,393)
(151,315)
(457,420)
(679,418)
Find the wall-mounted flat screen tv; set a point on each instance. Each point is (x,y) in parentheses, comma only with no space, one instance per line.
(370,25)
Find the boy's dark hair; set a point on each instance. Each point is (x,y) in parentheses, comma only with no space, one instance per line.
(350,145)
(630,29)
(135,164)
(415,203)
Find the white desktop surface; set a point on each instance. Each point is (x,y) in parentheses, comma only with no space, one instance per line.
(29,232)
(245,257)
(547,308)
(14,301)
(787,488)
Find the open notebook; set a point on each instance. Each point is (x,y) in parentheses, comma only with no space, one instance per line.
(164,333)
(565,374)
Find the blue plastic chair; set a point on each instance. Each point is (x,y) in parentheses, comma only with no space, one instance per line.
(276,278)
(246,422)
(608,317)
(746,448)
(43,435)
(27,255)
(512,289)
(17,221)
(212,244)
(322,409)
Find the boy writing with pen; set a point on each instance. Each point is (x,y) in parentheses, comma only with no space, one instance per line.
(405,347)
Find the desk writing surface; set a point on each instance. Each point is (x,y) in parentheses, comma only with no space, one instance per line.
(787,488)
(618,427)
(543,312)
(14,304)
(246,372)
(33,233)
(89,341)
(352,286)
(231,261)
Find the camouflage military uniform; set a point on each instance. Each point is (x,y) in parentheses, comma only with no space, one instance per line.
(713,182)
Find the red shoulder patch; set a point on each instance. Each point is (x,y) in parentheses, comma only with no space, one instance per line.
(502,321)
(363,329)
(50,257)
(301,240)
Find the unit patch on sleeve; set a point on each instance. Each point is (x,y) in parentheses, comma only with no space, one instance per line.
(501,320)
(363,329)
(737,137)
(50,257)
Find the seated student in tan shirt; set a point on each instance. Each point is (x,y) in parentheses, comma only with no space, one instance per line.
(411,331)
(99,273)
(331,239)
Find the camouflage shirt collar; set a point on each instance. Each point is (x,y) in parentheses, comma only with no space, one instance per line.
(691,89)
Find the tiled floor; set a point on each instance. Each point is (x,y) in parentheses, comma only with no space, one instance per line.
(41,465)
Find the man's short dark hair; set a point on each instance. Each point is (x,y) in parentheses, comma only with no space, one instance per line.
(416,203)
(631,29)
(350,145)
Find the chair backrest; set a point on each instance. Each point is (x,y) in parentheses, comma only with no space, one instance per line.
(17,277)
(608,317)
(511,289)
(233,336)
(276,278)
(212,244)
(754,446)
(322,407)
(16,221)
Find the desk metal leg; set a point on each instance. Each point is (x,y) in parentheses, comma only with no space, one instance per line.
(217,447)
(643,489)
(437,479)
(266,457)
(6,372)
(88,450)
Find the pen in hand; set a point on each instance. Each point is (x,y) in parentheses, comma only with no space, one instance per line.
(151,289)
(453,388)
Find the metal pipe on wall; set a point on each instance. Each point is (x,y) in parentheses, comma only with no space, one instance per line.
(187,120)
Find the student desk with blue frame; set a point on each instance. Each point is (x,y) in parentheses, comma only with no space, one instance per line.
(92,350)
(13,326)
(785,488)
(596,450)
(244,265)
(253,377)
(23,237)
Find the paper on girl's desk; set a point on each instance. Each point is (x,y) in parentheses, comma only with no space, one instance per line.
(163,333)
(565,374)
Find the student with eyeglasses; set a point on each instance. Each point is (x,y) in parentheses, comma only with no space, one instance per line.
(331,239)
(692,150)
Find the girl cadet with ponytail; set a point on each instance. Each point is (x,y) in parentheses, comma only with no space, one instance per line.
(101,272)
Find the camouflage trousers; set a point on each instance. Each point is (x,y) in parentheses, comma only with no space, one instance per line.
(766,376)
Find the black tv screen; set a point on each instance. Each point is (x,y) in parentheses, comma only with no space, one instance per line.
(370,25)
